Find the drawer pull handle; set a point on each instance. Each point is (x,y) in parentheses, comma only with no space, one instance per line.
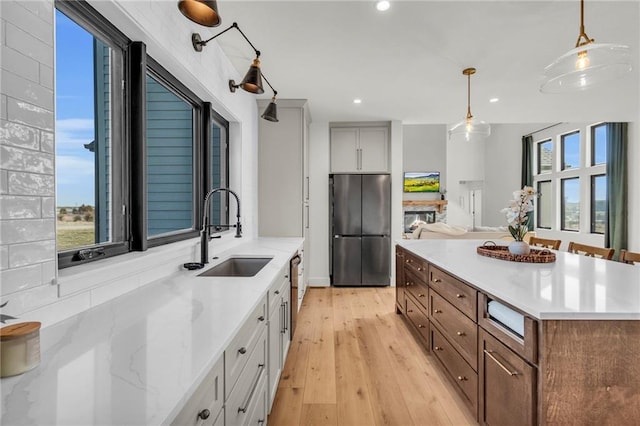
(420,326)
(437,348)
(437,311)
(461,333)
(462,378)
(459,296)
(261,421)
(253,389)
(419,268)
(408,261)
(436,280)
(276,292)
(409,284)
(204,414)
(242,350)
(509,372)
(261,318)
(420,295)
(409,310)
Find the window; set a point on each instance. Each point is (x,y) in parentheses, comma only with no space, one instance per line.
(106,204)
(171,134)
(571,180)
(598,204)
(570,150)
(544,204)
(570,204)
(599,144)
(545,156)
(89,117)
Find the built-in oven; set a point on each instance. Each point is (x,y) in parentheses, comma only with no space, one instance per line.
(293,277)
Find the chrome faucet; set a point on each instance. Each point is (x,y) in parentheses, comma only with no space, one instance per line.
(205,235)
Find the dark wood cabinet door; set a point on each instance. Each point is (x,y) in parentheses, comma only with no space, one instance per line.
(507,385)
(400,287)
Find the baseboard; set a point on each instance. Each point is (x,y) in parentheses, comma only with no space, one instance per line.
(319,282)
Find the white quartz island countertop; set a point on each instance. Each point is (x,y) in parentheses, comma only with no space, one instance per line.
(574,287)
(136,359)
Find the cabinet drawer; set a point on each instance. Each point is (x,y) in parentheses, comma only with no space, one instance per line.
(208,396)
(277,290)
(416,265)
(458,370)
(460,330)
(507,385)
(455,291)
(243,397)
(418,318)
(417,288)
(240,348)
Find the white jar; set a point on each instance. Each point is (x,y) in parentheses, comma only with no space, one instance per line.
(19,348)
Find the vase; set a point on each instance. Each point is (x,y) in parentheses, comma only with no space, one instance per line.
(519,248)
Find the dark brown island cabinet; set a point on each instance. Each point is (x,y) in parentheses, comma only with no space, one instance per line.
(505,378)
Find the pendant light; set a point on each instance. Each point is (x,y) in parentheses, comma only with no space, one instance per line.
(470,128)
(203,12)
(586,65)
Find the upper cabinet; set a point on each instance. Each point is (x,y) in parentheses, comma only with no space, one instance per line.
(359,149)
(283,172)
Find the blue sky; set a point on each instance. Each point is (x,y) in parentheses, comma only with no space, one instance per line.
(74,113)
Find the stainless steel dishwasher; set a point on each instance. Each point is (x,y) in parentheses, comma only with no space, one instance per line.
(293,277)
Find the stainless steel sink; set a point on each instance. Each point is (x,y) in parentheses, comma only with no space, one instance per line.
(237,267)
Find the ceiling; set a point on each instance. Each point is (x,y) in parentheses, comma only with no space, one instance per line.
(406,63)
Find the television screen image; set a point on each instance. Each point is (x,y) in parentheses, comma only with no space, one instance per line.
(422,182)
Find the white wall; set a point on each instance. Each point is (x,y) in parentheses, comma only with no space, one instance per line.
(425,150)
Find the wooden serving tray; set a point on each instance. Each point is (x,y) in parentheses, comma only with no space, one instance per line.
(502,252)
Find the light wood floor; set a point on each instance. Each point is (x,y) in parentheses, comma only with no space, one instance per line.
(353,361)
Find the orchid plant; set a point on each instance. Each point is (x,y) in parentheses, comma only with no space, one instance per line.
(517,210)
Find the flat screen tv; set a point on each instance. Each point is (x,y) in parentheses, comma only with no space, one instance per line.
(421,181)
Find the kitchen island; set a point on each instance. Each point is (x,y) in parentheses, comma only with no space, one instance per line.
(566,352)
(138,359)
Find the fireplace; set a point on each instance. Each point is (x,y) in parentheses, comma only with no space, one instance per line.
(412,218)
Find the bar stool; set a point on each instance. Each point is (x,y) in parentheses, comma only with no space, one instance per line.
(591,251)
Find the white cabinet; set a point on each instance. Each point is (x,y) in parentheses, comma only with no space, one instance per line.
(283,172)
(205,407)
(359,149)
(245,371)
(279,326)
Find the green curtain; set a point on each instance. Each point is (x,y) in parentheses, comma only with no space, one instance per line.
(527,170)
(615,235)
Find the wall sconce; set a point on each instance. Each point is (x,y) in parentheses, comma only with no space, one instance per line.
(203,12)
(271,111)
(252,81)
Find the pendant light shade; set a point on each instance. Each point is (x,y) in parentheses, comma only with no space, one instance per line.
(471,129)
(252,81)
(203,12)
(586,65)
(271,111)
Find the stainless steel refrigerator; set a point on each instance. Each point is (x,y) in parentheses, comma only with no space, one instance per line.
(360,229)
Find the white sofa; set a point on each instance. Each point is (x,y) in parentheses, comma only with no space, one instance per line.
(441,230)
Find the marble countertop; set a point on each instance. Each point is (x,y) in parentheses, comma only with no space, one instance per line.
(574,287)
(136,359)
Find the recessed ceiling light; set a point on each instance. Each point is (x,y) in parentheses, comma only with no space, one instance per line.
(494,100)
(383,5)
(357,101)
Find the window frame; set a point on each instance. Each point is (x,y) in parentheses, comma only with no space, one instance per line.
(539,204)
(563,205)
